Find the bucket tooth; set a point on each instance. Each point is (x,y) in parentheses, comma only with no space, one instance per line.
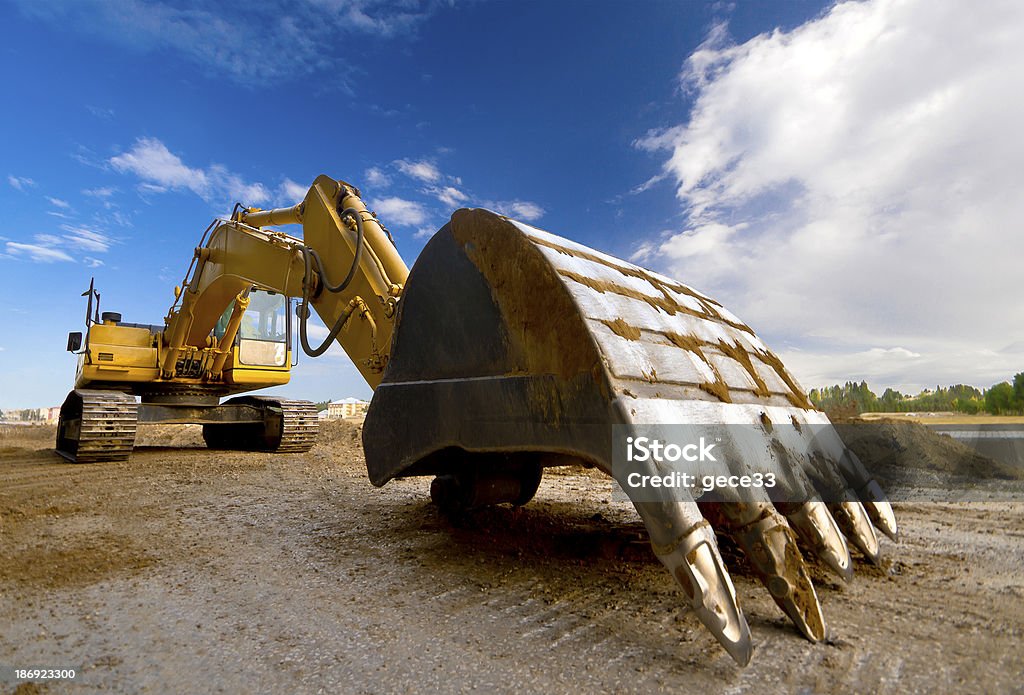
(854,521)
(879,509)
(815,526)
(770,546)
(829,444)
(694,562)
(869,492)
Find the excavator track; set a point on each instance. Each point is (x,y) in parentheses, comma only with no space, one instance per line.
(97,426)
(288,427)
(299,424)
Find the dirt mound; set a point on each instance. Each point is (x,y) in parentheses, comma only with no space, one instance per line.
(178,436)
(27,436)
(900,444)
(334,431)
(341,437)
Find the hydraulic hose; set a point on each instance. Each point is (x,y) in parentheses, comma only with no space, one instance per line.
(331,335)
(313,264)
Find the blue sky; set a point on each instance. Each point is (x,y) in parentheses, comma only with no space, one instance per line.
(760,152)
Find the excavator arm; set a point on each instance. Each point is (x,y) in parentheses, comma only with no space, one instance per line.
(345,267)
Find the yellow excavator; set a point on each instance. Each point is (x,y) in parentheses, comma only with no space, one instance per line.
(505,350)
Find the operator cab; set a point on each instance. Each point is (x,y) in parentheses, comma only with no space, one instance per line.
(265,333)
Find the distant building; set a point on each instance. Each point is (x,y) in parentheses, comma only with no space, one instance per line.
(50,415)
(346,407)
(34,416)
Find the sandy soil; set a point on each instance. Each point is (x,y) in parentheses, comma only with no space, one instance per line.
(191,570)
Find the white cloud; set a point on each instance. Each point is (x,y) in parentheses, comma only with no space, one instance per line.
(518,209)
(162,170)
(37,252)
(422,170)
(449,195)
(50,248)
(897,367)
(118,218)
(316,331)
(703,240)
(85,238)
(231,184)
(399,211)
(292,192)
(852,186)
(48,239)
(58,203)
(645,250)
(649,143)
(104,192)
(442,187)
(375,177)
(151,160)
(424,233)
(100,112)
(898,352)
(20,182)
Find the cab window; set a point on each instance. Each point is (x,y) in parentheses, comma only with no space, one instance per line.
(264,332)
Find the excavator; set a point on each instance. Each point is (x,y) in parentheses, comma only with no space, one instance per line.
(505,350)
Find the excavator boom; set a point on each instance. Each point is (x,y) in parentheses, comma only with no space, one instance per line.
(344,266)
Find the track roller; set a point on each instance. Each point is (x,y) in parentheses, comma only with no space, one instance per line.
(288,427)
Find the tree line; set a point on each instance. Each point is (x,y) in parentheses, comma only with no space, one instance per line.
(1004,398)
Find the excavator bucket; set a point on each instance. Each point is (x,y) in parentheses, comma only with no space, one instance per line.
(516,349)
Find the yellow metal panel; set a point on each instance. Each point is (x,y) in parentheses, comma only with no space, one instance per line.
(256,378)
(113,355)
(119,335)
(112,372)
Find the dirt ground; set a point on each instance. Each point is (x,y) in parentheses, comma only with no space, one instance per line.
(189,570)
